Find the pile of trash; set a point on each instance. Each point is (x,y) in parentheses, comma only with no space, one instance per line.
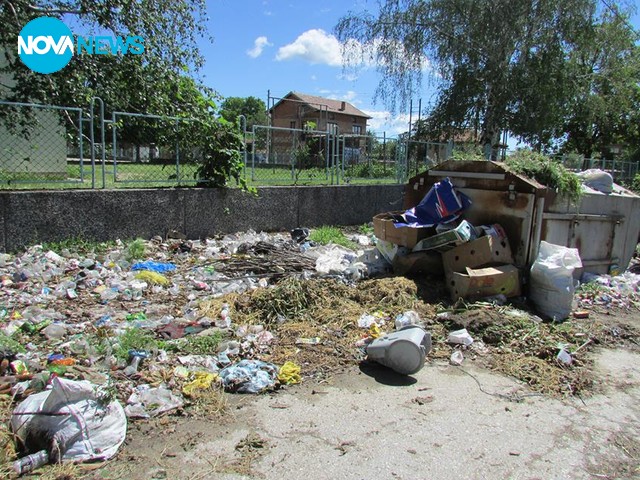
(434,238)
(146,328)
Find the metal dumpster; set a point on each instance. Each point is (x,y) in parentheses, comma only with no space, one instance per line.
(604,228)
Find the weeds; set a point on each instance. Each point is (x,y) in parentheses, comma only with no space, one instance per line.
(546,171)
(135,250)
(78,244)
(195,344)
(134,339)
(365,229)
(328,234)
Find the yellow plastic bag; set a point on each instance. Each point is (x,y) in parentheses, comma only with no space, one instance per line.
(289,373)
(202,381)
(153,278)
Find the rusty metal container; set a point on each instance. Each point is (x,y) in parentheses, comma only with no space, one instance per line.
(604,228)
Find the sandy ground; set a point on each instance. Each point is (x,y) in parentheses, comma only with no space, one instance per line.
(368,423)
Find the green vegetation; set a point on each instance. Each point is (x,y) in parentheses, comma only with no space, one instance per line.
(195,344)
(78,244)
(135,250)
(369,170)
(365,229)
(547,172)
(326,234)
(134,339)
(8,344)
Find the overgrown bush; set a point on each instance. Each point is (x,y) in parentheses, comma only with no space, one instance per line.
(546,171)
(369,170)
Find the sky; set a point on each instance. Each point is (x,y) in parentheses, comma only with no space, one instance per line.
(278,46)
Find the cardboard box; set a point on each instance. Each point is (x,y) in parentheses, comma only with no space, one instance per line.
(429,263)
(444,241)
(484,282)
(481,252)
(384,229)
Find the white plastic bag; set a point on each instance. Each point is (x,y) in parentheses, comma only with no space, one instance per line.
(71,422)
(551,281)
(597,179)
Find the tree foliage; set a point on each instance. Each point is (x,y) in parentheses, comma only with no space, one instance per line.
(605,109)
(170,30)
(503,65)
(253,109)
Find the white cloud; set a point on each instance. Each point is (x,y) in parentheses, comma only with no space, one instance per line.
(384,121)
(258,46)
(314,78)
(349,77)
(315,46)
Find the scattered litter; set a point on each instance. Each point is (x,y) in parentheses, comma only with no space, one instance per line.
(308,341)
(249,376)
(456,358)
(94,425)
(407,319)
(202,381)
(158,267)
(147,401)
(289,373)
(460,337)
(564,356)
(153,278)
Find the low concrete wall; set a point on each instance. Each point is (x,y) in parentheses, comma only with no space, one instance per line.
(31,217)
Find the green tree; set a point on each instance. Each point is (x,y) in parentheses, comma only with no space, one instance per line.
(486,57)
(605,109)
(253,109)
(170,30)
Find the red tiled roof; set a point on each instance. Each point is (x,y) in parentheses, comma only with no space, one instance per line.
(327,104)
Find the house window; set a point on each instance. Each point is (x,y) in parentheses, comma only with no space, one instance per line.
(357,129)
(332,128)
(292,125)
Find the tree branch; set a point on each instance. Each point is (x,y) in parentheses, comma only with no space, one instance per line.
(54,10)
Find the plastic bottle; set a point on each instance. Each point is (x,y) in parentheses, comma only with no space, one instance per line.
(31,462)
(225,319)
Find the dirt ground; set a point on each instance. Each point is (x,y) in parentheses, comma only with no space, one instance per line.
(443,422)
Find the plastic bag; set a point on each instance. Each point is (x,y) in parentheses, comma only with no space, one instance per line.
(441,204)
(551,281)
(71,422)
(597,179)
(249,376)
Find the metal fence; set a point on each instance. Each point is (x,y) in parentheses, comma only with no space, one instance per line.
(622,171)
(45,146)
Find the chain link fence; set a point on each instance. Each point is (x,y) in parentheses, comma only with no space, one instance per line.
(46,146)
(43,145)
(622,171)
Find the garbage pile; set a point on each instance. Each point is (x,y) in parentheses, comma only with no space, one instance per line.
(433,238)
(144,327)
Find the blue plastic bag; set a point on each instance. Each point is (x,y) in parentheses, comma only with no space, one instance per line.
(159,267)
(442,204)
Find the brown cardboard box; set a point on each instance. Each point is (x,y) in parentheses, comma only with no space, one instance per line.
(486,250)
(429,263)
(484,282)
(384,229)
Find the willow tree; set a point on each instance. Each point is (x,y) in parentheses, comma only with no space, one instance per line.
(495,63)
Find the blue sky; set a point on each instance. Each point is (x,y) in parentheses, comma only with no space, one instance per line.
(284,45)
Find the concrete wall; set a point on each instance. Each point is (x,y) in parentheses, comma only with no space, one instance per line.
(31,217)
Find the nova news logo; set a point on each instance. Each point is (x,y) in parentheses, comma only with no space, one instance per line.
(46,45)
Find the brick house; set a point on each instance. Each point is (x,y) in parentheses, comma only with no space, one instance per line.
(295,110)
(300,120)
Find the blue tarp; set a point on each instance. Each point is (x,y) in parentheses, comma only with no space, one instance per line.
(442,204)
